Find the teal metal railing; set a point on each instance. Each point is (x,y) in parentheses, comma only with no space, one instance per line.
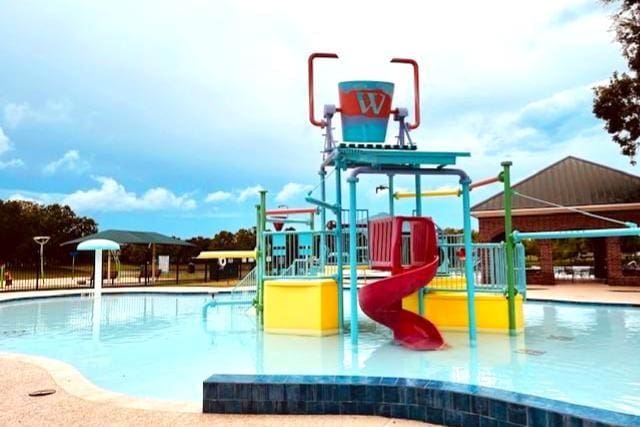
(291,254)
(489,267)
(245,289)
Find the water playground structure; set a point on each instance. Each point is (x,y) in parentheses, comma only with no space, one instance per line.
(401,271)
(300,334)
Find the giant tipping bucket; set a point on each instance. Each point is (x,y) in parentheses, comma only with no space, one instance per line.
(365,106)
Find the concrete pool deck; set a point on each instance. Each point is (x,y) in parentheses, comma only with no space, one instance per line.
(585,293)
(19,377)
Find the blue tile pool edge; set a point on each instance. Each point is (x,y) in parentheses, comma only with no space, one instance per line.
(437,402)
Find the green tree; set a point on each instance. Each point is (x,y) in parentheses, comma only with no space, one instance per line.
(618,102)
(245,239)
(224,240)
(20,221)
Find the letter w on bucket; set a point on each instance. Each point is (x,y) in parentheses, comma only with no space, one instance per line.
(365,107)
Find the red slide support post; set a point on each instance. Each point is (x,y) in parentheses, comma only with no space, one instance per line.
(312,115)
(416,89)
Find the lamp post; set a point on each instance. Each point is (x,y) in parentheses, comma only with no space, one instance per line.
(41,240)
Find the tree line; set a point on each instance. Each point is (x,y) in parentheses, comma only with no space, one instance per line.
(21,221)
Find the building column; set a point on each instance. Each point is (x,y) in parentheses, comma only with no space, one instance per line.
(614,260)
(546,262)
(599,259)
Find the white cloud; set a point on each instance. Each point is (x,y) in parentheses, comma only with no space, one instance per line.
(15,115)
(112,196)
(13,163)
(291,190)
(537,125)
(218,196)
(249,192)
(71,161)
(5,146)
(23,198)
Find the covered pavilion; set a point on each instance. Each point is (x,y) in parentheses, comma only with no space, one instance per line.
(570,194)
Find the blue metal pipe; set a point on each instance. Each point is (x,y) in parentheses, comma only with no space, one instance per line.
(577,234)
(466,208)
(468,261)
(408,171)
(353,261)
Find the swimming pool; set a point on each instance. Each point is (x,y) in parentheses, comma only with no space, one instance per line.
(161,346)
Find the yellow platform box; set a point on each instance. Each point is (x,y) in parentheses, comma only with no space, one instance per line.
(301,306)
(448,310)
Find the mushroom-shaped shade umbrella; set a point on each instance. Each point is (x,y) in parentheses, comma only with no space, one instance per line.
(96,244)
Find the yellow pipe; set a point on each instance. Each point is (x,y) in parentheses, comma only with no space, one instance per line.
(432,193)
(226,254)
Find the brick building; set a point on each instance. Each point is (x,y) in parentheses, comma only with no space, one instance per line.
(573,183)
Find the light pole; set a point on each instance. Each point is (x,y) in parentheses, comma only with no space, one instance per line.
(41,240)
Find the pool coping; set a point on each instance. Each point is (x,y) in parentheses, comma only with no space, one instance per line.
(72,381)
(61,293)
(432,401)
(601,304)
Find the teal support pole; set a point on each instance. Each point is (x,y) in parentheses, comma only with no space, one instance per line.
(391,198)
(339,246)
(321,204)
(468,262)
(323,220)
(419,213)
(521,277)
(418,192)
(510,247)
(259,256)
(262,222)
(353,261)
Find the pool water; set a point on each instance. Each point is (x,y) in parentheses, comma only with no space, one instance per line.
(161,346)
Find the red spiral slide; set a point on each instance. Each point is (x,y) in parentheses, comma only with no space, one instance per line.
(382,300)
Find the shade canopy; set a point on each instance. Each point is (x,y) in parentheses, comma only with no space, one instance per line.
(98,244)
(131,237)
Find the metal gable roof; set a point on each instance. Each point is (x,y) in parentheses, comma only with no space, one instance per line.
(133,237)
(571,182)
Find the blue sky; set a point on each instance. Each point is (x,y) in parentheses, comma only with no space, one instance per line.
(170,115)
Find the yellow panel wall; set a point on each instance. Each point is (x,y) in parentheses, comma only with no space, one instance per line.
(448,310)
(301,307)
